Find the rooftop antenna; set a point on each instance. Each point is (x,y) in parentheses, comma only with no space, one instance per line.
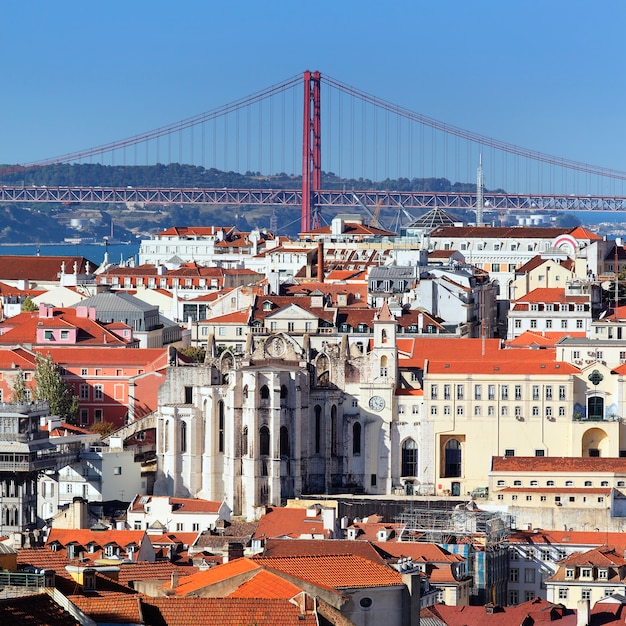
(480,183)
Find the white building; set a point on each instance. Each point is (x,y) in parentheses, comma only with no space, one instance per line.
(176,514)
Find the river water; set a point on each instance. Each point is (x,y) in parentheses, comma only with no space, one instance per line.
(94,252)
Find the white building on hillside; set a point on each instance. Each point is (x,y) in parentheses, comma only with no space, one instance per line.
(176,514)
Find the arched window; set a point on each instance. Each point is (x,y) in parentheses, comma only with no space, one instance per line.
(383,336)
(318,428)
(245,392)
(183,437)
(383,366)
(264,441)
(452,467)
(284,441)
(283,392)
(244,441)
(409,458)
(265,392)
(220,426)
(356,438)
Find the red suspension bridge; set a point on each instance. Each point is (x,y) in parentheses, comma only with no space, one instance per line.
(363,139)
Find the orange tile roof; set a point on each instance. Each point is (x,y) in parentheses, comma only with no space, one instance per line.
(580,232)
(101,537)
(453,356)
(537,611)
(198,231)
(22,328)
(265,584)
(106,356)
(418,551)
(236,317)
(180,505)
(550,295)
(544,339)
(224,611)
(551,537)
(504,232)
(554,464)
(321,547)
(111,609)
(338,572)
(34,610)
(292,522)
(214,575)
(40,268)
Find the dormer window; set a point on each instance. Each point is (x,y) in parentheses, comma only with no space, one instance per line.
(603,573)
(111,550)
(585,572)
(267,305)
(569,572)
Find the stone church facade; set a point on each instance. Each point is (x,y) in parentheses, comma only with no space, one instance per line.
(282,420)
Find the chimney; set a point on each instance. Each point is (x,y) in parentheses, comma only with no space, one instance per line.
(235,551)
(174,579)
(582,613)
(320,261)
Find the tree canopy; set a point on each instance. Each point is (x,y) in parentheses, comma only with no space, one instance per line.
(51,387)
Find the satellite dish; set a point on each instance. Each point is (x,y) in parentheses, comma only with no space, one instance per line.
(606,285)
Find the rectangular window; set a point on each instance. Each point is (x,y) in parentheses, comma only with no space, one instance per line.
(98,392)
(97,415)
(548,323)
(562,593)
(179,526)
(509,452)
(533,323)
(433,392)
(529,575)
(65,334)
(513,596)
(117,471)
(446,392)
(518,392)
(477,392)
(514,575)
(84,392)
(548,392)
(504,392)
(535,392)
(491,392)
(563,323)
(195,527)
(518,323)
(561,392)
(460,390)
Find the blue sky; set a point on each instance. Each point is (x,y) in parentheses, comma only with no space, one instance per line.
(548,75)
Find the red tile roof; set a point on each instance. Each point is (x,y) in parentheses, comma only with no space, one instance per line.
(224,611)
(535,611)
(321,547)
(475,356)
(550,295)
(338,572)
(41,268)
(558,464)
(180,505)
(200,580)
(22,328)
(265,584)
(110,609)
(34,610)
(553,537)
(544,339)
(290,522)
(580,232)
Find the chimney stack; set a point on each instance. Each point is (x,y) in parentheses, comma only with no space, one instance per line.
(320,261)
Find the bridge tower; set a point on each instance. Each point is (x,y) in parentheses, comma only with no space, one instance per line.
(311,152)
